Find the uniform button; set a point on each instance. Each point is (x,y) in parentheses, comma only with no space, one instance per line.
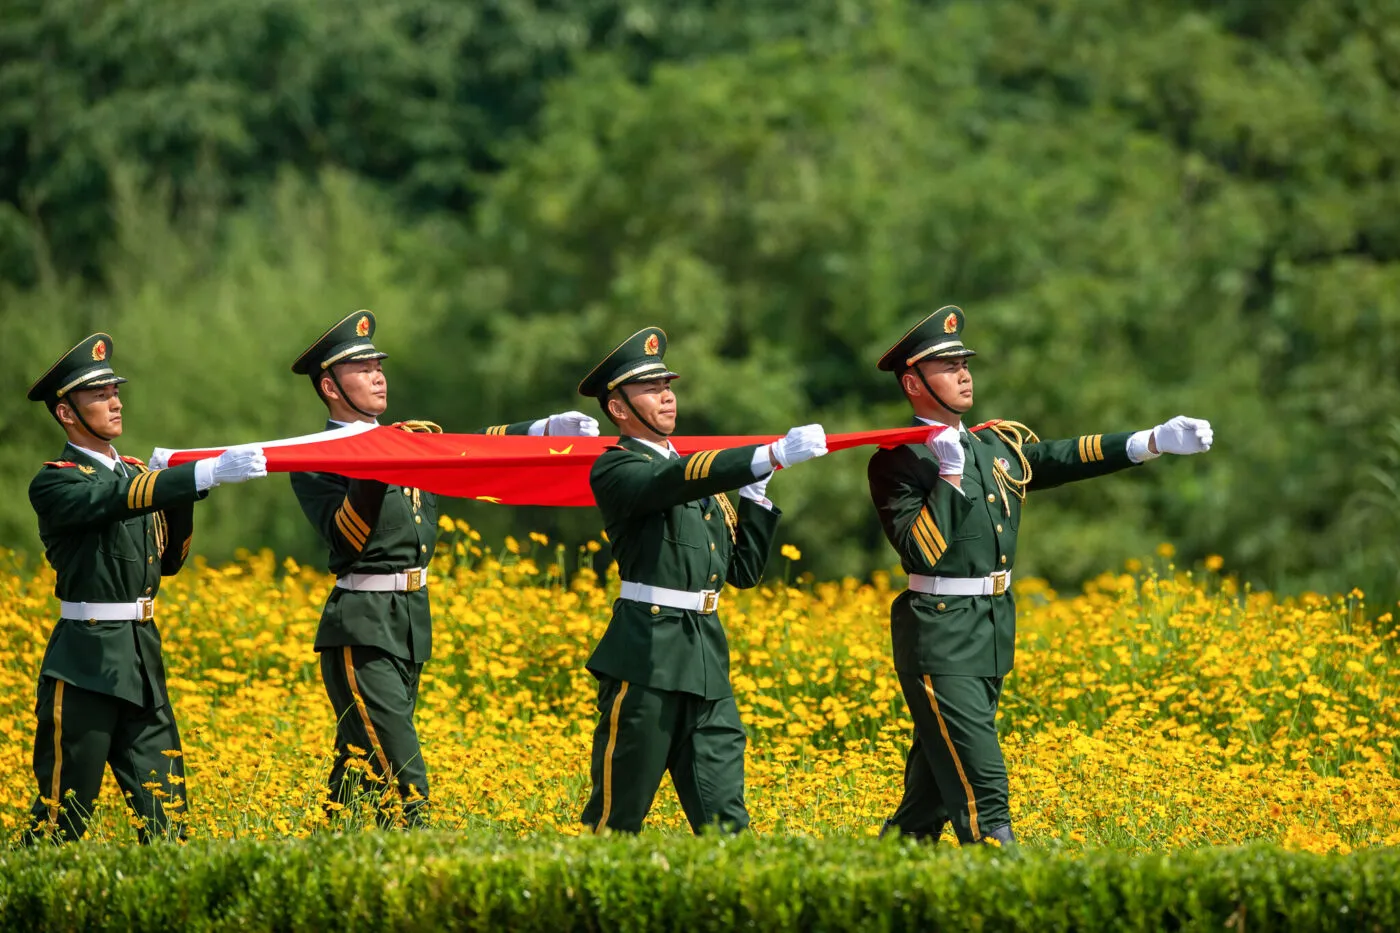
(1003,558)
(150,559)
(417,519)
(655,610)
(991,497)
(707,516)
(942,606)
(408,492)
(998,529)
(423,548)
(148,591)
(712,545)
(714,577)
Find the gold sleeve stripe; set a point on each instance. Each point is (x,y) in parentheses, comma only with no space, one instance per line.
(497,429)
(185,548)
(921,539)
(933,529)
(1083,454)
(935,540)
(1091,448)
(355,520)
(352,534)
(930,534)
(141,491)
(709,462)
(698,467)
(149,490)
(1098,446)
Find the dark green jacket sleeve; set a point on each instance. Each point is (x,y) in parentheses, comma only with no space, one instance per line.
(67,499)
(919,512)
(626,483)
(344,511)
(176,526)
(753,542)
(1054,463)
(519,427)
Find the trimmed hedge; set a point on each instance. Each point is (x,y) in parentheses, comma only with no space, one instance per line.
(389,882)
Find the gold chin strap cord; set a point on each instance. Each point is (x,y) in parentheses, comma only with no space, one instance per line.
(1015,435)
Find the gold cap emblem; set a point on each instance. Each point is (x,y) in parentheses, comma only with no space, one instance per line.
(652,346)
(99,350)
(950,323)
(362,326)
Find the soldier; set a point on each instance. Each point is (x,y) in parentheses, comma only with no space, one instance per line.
(111,528)
(664,698)
(376,632)
(951,508)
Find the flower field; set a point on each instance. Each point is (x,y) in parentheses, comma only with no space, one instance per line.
(1151,711)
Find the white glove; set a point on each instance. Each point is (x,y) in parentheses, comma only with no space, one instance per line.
(160,458)
(946,445)
(799,444)
(1183,435)
(566,424)
(758,491)
(237,465)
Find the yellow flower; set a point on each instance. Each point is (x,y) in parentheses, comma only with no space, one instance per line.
(790,552)
(1214,562)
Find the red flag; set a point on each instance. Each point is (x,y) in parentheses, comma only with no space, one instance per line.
(509,469)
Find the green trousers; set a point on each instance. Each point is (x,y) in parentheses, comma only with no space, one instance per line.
(79,734)
(374,695)
(643,733)
(955,771)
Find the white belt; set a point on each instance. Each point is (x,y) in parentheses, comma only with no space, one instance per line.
(705,601)
(993,585)
(143,610)
(406,582)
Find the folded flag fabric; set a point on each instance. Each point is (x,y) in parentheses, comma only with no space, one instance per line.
(507,469)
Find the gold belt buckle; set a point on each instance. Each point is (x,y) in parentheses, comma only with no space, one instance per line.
(415,579)
(709,599)
(147,609)
(999,582)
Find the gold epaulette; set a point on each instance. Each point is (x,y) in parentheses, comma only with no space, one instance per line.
(417,427)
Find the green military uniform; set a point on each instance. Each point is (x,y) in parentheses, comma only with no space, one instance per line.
(111,529)
(664,697)
(376,629)
(952,649)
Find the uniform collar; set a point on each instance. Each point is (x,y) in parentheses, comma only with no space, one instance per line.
(668,451)
(962,428)
(109,462)
(346,424)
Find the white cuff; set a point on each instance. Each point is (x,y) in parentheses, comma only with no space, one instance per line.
(761,464)
(204,475)
(956,486)
(1138,451)
(537,429)
(746,493)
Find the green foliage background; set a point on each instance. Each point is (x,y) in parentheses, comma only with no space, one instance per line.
(1146,208)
